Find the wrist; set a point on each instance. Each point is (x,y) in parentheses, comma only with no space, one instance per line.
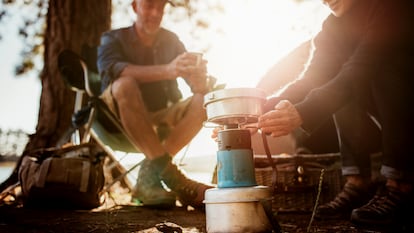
(201,91)
(170,72)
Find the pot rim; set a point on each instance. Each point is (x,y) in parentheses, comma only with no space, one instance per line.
(230,93)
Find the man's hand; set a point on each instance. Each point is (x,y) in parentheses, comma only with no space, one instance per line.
(195,75)
(280,121)
(198,83)
(184,66)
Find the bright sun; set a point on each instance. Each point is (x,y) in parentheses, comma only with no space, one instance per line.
(256,35)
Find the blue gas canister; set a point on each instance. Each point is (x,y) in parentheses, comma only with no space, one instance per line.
(235,165)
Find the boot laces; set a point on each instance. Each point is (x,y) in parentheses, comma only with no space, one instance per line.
(383,203)
(349,197)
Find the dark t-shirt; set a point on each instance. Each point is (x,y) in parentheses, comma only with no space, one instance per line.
(121,47)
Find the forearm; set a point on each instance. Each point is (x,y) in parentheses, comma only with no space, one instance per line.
(151,73)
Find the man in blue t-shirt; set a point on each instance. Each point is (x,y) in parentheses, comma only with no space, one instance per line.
(140,65)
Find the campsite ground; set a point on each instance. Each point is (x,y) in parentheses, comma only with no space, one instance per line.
(127,218)
(138,219)
(118,215)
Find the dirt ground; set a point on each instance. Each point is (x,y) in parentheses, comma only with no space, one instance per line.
(127,218)
(118,215)
(132,219)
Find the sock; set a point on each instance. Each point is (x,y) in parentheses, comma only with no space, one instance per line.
(161,162)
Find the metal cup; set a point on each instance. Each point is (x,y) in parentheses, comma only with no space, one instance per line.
(199,57)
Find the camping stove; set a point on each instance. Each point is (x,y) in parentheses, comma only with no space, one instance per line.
(235,165)
(238,204)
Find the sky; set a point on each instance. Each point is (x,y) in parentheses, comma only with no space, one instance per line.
(256,34)
(19,96)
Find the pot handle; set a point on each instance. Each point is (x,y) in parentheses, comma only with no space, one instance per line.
(209,124)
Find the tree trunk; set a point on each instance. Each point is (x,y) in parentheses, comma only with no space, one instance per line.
(70,24)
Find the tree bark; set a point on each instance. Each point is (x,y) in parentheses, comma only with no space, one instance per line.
(70,24)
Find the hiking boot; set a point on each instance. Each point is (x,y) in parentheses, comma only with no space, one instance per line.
(149,191)
(188,191)
(349,198)
(386,208)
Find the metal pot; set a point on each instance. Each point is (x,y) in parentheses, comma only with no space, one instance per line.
(238,209)
(234,106)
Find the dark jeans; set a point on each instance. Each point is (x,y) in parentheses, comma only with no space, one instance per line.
(359,137)
(323,140)
(379,118)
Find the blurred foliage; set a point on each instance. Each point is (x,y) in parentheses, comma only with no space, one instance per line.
(29,16)
(201,17)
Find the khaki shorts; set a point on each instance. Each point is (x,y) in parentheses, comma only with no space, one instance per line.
(168,116)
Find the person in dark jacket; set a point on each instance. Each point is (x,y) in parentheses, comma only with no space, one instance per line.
(140,65)
(360,72)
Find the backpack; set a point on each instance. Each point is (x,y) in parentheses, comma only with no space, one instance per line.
(68,177)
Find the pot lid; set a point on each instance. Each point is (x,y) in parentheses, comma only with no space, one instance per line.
(234,93)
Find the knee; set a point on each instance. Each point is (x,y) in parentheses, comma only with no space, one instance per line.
(124,88)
